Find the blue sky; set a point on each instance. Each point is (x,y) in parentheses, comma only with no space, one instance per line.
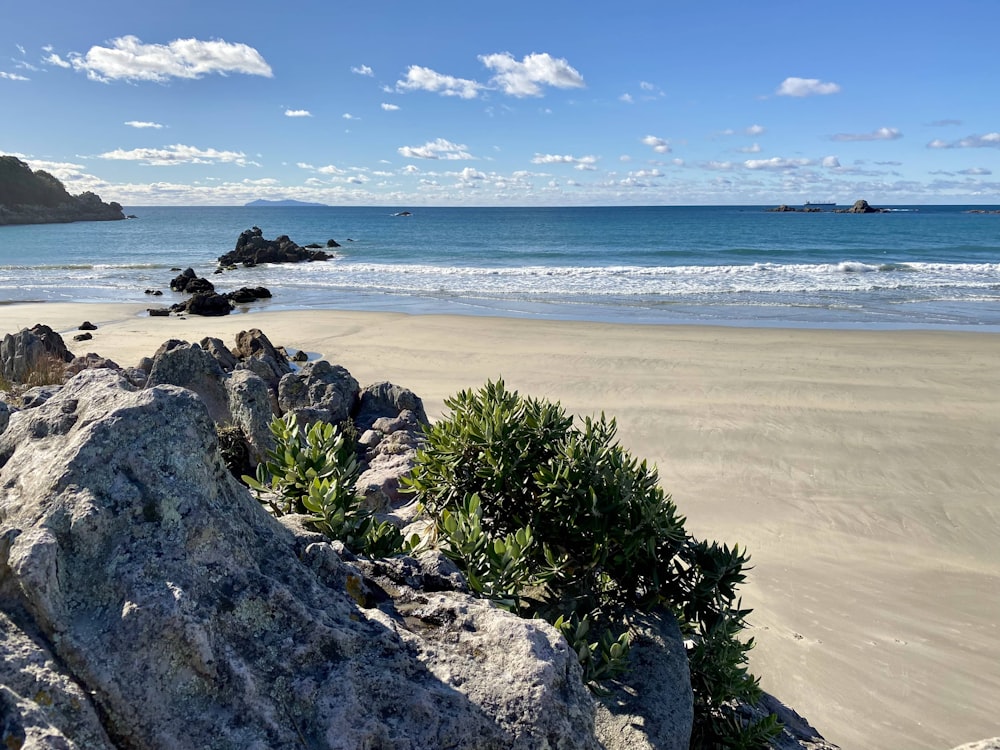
(515,103)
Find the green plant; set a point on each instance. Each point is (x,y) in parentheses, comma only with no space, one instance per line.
(313,472)
(558,521)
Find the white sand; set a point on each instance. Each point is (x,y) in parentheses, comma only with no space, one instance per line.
(860,468)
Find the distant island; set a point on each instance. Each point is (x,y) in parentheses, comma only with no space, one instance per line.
(261,203)
(28,197)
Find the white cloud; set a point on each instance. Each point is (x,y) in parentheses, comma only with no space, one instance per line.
(349,116)
(990,140)
(627,98)
(53,59)
(298,113)
(719,166)
(410,169)
(753,148)
(390,107)
(643,174)
(776,162)
(831,162)
(141,125)
(330,169)
(419,78)
(647,86)
(977,171)
(468,174)
(581,162)
(526,78)
(129,59)
(806,87)
(177,154)
(437,149)
(755,130)
(659,145)
(363,70)
(13,76)
(882,134)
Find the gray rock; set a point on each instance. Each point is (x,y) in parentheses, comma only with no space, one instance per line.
(650,707)
(329,389)
(386,400)
(41,705)
(29,350)
(186,615)
(90,361)
(991,744)
(250,407)
(4,415)
(796,733)
(214,346)
(253,344)
(38,395)
(189,366)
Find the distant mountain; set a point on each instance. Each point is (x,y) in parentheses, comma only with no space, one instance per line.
(261,203)
(28,197)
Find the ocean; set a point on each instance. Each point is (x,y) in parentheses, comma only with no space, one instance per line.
(914,267)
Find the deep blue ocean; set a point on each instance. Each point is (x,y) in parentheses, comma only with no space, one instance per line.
(916,267)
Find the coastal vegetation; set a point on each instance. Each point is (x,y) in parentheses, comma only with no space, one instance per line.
(548,519)
(36,197)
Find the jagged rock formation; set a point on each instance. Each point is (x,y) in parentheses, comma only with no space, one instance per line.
(252,249)
(190,618)
(28,197)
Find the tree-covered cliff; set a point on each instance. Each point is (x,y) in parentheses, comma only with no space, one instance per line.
(28,197)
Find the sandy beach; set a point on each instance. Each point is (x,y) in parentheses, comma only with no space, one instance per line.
(860,468)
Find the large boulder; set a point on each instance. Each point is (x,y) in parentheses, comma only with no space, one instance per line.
(386,400)
(189,366)
(190,618)
(30,351)
(250,411)
(319,391)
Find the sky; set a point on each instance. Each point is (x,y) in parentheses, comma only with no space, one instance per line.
(543,103)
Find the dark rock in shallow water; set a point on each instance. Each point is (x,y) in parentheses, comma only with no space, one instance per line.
(205,303)
(191,283)
(87,326)
(247,294)
(83,337)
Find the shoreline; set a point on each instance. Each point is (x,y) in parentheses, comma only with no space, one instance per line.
(857,466)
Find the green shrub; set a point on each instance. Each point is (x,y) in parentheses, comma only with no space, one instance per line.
(313,471)
(558,521)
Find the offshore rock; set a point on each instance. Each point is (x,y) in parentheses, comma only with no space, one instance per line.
(190,618)
(252,249)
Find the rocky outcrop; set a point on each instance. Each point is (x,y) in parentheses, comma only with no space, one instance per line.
(189,618)
(252,249)
(32,350)
(861,207)
(28,197)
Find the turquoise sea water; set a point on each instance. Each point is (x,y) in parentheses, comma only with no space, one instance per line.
(918,266)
